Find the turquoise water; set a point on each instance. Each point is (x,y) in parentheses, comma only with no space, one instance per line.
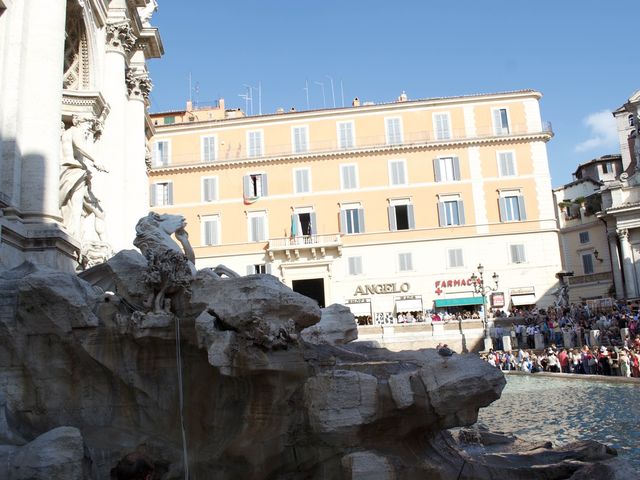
(561,411)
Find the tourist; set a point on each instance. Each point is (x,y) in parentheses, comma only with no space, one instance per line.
(133,466)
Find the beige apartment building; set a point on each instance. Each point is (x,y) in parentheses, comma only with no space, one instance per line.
(387,208)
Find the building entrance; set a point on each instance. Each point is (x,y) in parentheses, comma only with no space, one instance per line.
(312,288)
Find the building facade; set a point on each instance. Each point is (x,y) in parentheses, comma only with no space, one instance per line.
(583,234)
(385,208)
(73,127)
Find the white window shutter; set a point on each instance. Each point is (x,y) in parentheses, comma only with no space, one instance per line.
(412,223)
(461,213)
(442,219)
(170,193)
(391,212)
(436,170)
(523,213)
(503,209)
(456,168)
(361,220)
(263,178)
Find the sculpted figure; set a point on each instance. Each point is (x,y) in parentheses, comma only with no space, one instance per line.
(171,268)
(77,199)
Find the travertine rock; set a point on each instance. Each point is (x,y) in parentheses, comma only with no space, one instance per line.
(337,326)
(257,402)
(55,455)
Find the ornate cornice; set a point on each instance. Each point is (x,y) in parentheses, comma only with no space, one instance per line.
(139,84)
(120,36)
(86,105)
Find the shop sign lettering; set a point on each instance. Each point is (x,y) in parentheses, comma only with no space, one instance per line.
(441,285)
(382,288)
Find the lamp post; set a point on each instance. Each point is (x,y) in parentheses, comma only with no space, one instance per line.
(480,287)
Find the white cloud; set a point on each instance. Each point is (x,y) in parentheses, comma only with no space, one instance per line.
(603,132)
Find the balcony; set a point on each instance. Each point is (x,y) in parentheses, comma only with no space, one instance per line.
(590,278)
(313,246)
(409,140)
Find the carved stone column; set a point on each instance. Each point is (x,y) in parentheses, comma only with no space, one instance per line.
(40,110)
(631,289)
(137,189)
(120,41)
(615,264)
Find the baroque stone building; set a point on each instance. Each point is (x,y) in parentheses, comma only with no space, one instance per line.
(73,127)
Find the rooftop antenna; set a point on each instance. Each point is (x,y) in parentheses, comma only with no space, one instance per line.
(342,92)
(190,89)
(246,101)
(196,91)
(333,94)
(306,91)
(249,96)
(324,99)
(250,89)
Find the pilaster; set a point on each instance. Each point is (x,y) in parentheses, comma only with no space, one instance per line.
(615,264)
(631,289)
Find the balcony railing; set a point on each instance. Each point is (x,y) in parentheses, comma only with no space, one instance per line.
(593,277)
(239,152)
(317,245)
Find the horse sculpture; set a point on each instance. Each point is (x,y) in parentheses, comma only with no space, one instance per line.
(171,269)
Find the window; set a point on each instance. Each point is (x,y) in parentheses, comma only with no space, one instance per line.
(349,176)
(607,167)
(454,258)
(500,121)
(161,153)
(161,194)
(584,237)
(169,120)
(211,230)
(450,210)
(259,269)
(345,135)
(405,262)
(393,127)
(511,205)
(257,225)
(446,169)
(254,186)
(355,265)
(209,189)
(302,180)
(208,153)
(587,263)
(300,139)
(506,164)
(517,253)
(632,120)
(441,126)
(400,214)
(397,172)
(303,222)
(254,142)
(351,218)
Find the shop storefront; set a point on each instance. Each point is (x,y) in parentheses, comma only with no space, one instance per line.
(522,297)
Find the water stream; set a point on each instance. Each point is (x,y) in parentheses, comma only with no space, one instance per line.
(566,410)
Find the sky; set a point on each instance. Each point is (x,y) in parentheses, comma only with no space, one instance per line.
(581,55)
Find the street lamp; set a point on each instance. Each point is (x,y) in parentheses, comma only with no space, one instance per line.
(480,287)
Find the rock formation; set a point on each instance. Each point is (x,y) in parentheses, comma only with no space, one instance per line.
(243,376)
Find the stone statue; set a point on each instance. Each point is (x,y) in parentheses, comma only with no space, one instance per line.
(77,199)
(171,269)
(562,296)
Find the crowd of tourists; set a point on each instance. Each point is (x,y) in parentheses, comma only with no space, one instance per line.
(610,361)
(568,344)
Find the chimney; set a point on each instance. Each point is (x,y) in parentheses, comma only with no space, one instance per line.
(189,105)
(356,102)
(221,103)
